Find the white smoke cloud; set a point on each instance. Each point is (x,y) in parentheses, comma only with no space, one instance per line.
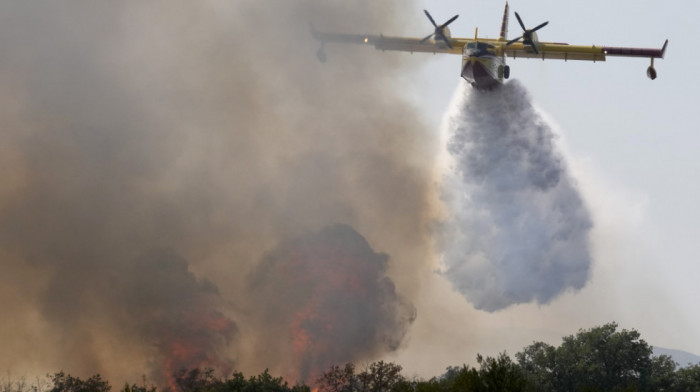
(517,228)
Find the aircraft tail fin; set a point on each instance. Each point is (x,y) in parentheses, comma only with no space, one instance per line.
(504,25)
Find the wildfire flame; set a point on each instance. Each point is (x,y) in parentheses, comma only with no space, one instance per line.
(180,315)
(194,343)
(338,304)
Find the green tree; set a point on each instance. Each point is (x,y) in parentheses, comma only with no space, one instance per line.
(501,374)
(237,382)
(379,377)
(138,388)
(687,379)
(66,383)
(338,379)
(460,379)
(663,374)
(197,380)
(603,359)
(264,382)
(537,361)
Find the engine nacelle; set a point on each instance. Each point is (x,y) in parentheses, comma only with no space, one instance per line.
(446,31)
(651,72)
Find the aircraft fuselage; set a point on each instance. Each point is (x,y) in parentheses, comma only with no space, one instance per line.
(482,66)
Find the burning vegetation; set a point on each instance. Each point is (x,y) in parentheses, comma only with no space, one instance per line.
(330,292)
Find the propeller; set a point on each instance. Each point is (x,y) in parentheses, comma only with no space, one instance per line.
(527,35)
(439,32)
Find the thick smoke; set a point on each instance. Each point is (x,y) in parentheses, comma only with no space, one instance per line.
(329,296)
(517,229)
(177,313)
(153,151)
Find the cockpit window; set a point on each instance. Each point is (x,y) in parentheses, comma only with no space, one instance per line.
(479,49)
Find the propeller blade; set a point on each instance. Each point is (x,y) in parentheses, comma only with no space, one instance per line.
(427,38)
(449,45)
(513,41)
(519,21)
(534,48)
(539,27)
(442,37)
(439,30)
(431,18)
(449,21)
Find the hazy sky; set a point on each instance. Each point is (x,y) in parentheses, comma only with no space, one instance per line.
(631,144)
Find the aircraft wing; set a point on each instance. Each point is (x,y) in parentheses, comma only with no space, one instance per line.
(402,44)
(549,50)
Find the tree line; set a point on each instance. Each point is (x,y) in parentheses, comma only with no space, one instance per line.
(602,358)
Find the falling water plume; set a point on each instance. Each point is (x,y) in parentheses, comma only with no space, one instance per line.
(518,228)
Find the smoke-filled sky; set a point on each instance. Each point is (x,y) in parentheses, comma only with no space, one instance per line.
(162,163)
(154,153)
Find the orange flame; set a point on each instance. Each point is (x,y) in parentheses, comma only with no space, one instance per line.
(329,272)
(339,306)
(194,343)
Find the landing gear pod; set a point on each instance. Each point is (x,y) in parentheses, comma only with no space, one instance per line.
(651,72)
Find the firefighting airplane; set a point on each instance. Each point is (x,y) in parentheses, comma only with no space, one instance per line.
(484,59)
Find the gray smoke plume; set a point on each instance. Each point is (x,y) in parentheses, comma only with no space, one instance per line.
(517,229)
(329,296)
(176,312)
(204,128)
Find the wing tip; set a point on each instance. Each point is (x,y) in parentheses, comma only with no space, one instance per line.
(663,49)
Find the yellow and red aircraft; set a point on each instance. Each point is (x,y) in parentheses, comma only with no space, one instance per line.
(484,59)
